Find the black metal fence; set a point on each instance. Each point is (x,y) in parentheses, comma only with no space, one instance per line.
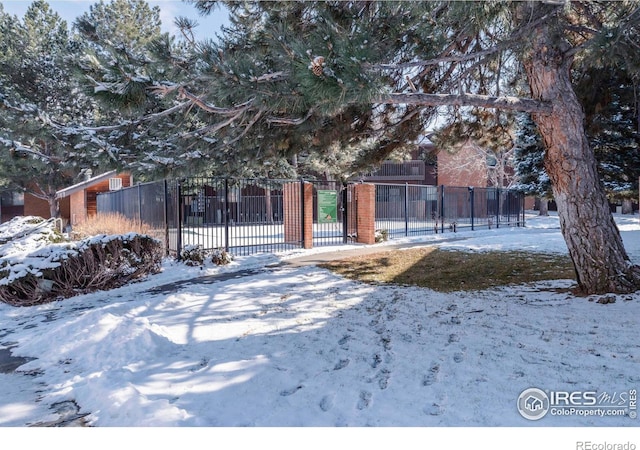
(410,210)
(251,216)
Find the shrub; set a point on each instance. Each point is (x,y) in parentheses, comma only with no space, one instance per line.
(65,270)
(381,235)
(221,257)
(195,255)
(28,231)
(192,255)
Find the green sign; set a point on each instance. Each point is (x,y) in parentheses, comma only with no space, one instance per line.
(327,206)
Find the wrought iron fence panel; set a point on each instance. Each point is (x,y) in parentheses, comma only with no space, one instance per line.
(246,217)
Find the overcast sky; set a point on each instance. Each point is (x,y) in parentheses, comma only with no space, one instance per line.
(169,9)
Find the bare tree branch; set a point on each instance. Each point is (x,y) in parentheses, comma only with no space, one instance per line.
(289,121)
(211,108)
(484,101)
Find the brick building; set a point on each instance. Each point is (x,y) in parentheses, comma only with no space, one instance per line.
(77,202)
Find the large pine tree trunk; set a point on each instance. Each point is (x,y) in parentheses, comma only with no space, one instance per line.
(592,237)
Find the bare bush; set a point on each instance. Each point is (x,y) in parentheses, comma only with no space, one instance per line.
(98,263)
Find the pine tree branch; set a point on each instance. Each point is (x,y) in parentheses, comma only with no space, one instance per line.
(250,125)
(484,101)
(202,104)
(289,121)
(213,128)
(19,147)
(275,76)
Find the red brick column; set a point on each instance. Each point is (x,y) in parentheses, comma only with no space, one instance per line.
(293,222)
(365,197)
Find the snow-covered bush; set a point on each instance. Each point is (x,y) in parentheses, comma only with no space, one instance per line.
(195,255)
(192,255)
(221,257)
(381,235)
(27,232)
(35,274)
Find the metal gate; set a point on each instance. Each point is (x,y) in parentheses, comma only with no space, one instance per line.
(332,209)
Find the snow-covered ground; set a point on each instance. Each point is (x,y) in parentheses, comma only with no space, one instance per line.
(288,346)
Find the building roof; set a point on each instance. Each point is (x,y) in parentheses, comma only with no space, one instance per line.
(62,193)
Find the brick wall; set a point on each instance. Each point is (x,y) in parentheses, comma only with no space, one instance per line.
(365,198)
(293,204)
(78,211)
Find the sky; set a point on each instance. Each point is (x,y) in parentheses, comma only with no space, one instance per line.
(70,9)
(289,354)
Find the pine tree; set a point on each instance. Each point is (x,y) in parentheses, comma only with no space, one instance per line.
(38,153)
(610,99)
(304,77)
(127,64)
(529,162)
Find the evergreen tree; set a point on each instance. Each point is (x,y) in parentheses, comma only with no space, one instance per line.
(298,120)
(529,163)
(38,94)
(298,78)
(128,61)
(610,99)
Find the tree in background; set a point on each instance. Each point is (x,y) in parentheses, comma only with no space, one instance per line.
(610,100)
(38,95)
(612,108)
(529,163)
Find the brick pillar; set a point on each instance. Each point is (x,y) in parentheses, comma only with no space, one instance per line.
(365,197)
(293,202)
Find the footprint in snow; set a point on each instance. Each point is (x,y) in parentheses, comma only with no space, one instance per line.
(383,378)
(431,377)
(432,410)
(291,391)
(326,403)
(342,364)
(365,400)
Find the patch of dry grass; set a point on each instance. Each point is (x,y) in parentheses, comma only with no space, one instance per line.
(448,271)
(113,223)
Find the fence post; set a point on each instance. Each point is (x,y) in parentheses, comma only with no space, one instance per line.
(406,209)
(471,199)
(139,204)
(498,207)
(179,225)
(226,214)
(303,233)
(345,214)
(442,207)
(166,216)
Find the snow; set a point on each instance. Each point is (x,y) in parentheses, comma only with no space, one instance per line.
(298,346)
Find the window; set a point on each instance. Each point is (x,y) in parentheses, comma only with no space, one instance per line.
(12,198)
(115,184)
